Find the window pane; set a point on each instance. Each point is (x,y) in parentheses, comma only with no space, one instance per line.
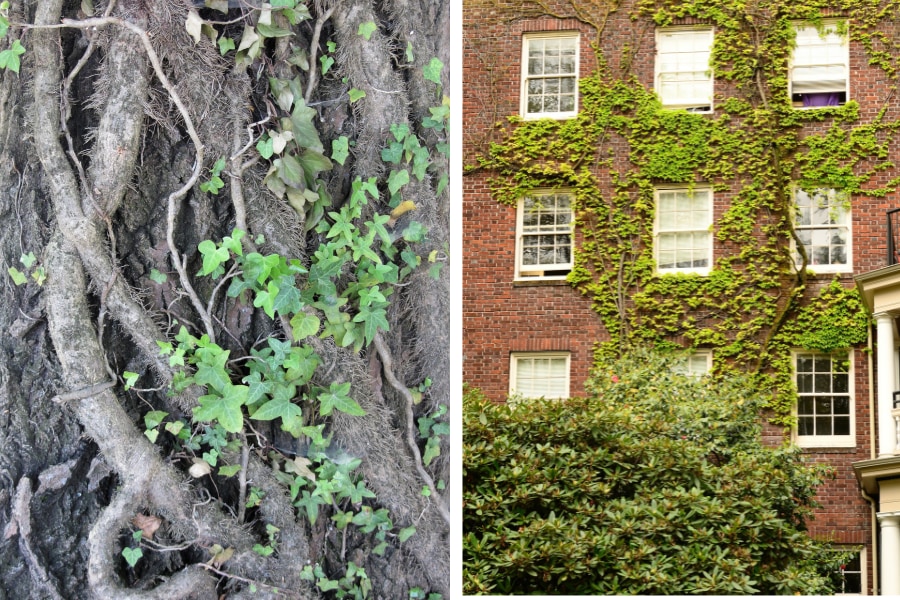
(823,404)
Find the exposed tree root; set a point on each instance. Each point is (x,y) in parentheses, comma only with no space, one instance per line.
(20,523)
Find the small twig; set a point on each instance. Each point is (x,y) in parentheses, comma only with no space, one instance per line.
(16,204)
(387,364)
(313,50)
(242,479)
(276,590)
(85,392)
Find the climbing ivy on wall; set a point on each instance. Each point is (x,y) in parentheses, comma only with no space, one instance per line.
(756,304)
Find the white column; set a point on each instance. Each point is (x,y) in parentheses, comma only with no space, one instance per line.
(887,434)
(889,566)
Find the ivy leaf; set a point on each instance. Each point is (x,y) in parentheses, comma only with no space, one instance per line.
(158,277)
(28,260)
(287,301)
(301,363)
(266,147)
(397,179)
(405,533)
(229,470)
(279,407)
(356,94)
(132,555)
(432,450)
(194,24)
(410,57)
(305,131)
(336,398)
(226,409)
(432,70)
(18,277)
(265,299)
(340,149)
(415,232)
(393,153)
(213,256)
(270,31)
(367,29)
(153,418)
(304,325)
(9,59)
(327,62)
(372,320)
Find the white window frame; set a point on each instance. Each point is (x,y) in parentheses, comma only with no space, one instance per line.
(514,358)
(537,272)
(838,208)
(658,231)
(525,76)
(805,35)
(684,365)
(826,441)
(665,37)
(862,570)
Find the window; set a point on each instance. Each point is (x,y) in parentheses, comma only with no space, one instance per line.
(550,75)
(683,76)
(544,236)
(539,374)
(849,578)
(696,364)
(683,236)
(823,226)
(819,67)
(824,400)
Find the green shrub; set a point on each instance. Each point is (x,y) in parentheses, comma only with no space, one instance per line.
(656,484)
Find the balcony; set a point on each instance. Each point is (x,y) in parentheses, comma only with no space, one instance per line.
(893,236)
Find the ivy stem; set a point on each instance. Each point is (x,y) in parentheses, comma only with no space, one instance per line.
(387,364)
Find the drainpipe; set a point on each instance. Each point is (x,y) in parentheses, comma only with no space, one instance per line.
(873,511)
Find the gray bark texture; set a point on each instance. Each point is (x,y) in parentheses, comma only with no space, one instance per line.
(106,133)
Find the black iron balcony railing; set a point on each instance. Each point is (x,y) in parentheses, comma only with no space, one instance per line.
(893,240)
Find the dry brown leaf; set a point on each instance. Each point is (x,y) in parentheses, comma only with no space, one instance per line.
(300,466)
(148,524)
(199,468)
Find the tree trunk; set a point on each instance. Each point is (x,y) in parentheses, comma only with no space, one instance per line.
(111,135)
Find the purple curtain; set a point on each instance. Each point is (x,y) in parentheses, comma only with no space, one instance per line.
(821,99)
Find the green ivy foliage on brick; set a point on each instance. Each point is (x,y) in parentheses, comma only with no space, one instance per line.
(755,147)
(659,482)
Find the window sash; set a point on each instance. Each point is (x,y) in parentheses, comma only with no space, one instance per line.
(824,397)
(540,375)
(823,225)
(550,75)
(683,74)
(683,238)
(544,233)
(819,63)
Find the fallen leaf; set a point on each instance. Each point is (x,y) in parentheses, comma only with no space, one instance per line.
(300,466)
(199,468)
(148,524)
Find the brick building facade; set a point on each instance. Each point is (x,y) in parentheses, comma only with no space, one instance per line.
(531,330)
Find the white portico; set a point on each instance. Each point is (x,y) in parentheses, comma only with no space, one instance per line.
(880,476)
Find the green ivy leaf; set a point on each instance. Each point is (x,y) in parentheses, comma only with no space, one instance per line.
(229,470)
(225,44)
(158,277)
(432,450)
(270,31)
(28,260)
(356,94)
(9,59)
(397,179)
(266,147)
(153,418)
(213,256)
(405,533)
(304,325)
(432,70)
(18,277)
(367,29)
(327,62)
(410,57)
(340,149)
(132,555)
(225,409)
(336,398)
